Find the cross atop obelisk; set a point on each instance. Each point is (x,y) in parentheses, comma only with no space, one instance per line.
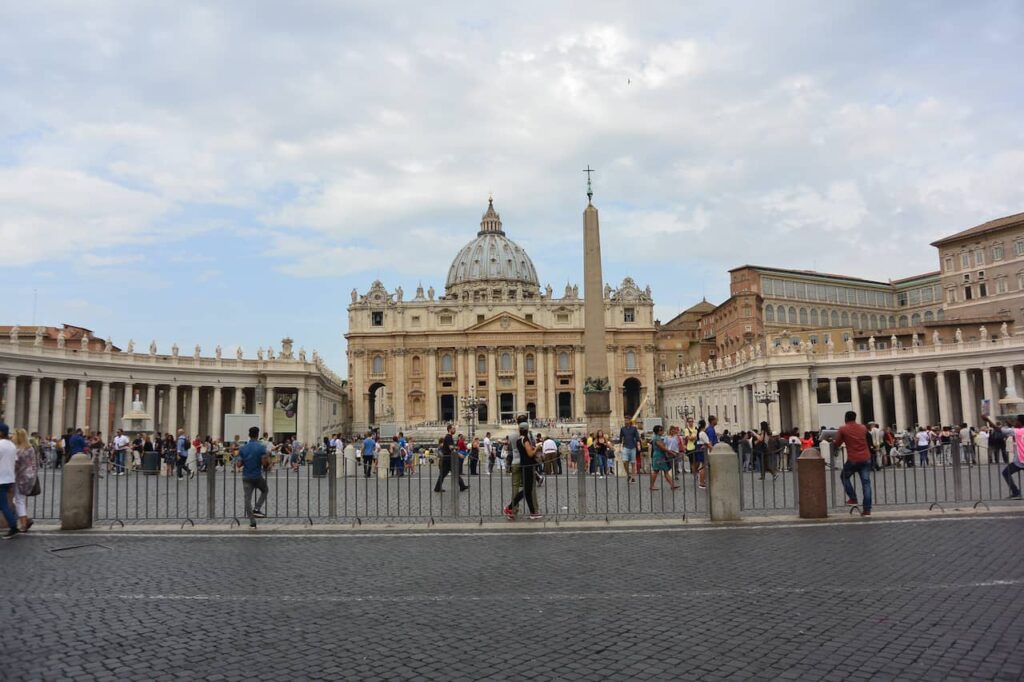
(596,389)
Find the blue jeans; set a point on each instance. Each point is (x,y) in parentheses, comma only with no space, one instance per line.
(922,454)
(119,460)
(1008,473)
(864,469)
(5,508)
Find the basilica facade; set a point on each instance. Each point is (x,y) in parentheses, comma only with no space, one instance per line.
(494,334)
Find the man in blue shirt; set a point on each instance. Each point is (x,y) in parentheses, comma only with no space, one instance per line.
(76,443)
(254,460)
(369,452)
(629,438)
(710,430)
(181,446)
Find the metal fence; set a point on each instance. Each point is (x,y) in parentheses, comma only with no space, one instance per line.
(311,493)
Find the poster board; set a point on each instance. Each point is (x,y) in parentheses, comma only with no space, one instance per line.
(286,408)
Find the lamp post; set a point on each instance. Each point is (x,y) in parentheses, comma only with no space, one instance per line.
(766,396)
(470,405)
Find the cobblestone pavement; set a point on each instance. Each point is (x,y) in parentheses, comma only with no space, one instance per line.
(136,497)
(911,600)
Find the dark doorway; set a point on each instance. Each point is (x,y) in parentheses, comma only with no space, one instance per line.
(376,391)
(481,414)
(630,397)
(507,406)
(531,409)
(448,408)
(565,405)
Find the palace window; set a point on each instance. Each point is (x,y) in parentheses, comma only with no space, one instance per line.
(792,315)
(530,365)
(769,313)
(629,314)
(979,257)
(814,317)
(803,316)
(378,364)
(563,361)
(630,360)
(506,362)
(1001,287)
(965,260)
(377,318)
(481,364)
(929,316)
(479,318)
(997,251)
(968,293)
(982,290)
(835,319)
(447,363)
(1018,247)
(915,320)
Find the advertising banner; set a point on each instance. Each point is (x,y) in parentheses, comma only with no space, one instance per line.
(286,407)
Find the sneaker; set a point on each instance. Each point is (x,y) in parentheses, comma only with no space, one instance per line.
(252,524)
(259,515)
(509,514)
(535,517)
(600,476)
(702,487)
(851,502)
(1014,497)
(11,533)
(865,513)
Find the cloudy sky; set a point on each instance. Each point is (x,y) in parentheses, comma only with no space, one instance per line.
(227,172)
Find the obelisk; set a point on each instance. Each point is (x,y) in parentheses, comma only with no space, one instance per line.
(597,390)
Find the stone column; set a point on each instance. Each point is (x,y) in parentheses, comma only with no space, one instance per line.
(966,398)
(945,411)
(833,390)
(775,422)
(401,395)
(302,420)
(520,380)
(855,397)
(129,396)
(651,382)
(80,415)
(11,401)
(552,379)
(193,412)
(268,411)
(236,401)
(33,405)
(105,408)
(57,425)
(471,354)
(217,413)
(171,409)
(460,380)
(151,404)
(579,379)
(808,401)
(431,381)
(614,397)
(990,394)
(492,386)
(877,404)
(539,366)
(900,418)
(921,399)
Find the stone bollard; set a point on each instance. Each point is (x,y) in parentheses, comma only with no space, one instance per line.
(347,462)
(723,484)
(811,474)
(76,494)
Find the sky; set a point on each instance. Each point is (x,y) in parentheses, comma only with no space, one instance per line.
(225,173)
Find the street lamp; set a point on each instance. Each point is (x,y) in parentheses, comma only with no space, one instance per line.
(470,405)
(766,396)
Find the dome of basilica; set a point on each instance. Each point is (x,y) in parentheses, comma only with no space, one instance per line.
(492,258)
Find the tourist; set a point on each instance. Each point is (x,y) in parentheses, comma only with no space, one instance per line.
(394,456)
(662,455)
(181,449)
(690,437)
(254,461)
(369,452)
(488,452)
(525,451)
(924,438)
(474,457)
(1016,464)
(552,462)
(8,477)
(858,460)
(704,446)
(26,471)
(997,443)
(967,454)
(121,443)
(629,439)
(451,462)
(762,455)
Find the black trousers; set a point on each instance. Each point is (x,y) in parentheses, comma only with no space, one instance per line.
(445,469)
(529,480)
(367,466)
(180,464)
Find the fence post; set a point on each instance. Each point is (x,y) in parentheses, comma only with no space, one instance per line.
(957,478)
(455,464)
(581,481)
(723,484)
(78,504)
(813,503)
(211,485)
(332,483)
(794,458)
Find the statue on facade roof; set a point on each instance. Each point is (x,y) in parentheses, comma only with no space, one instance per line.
(270,352)
(849,345)
(198,352)
(302,354)
(936,339)
(174,349)
(548,292)
(239,353)
(61,339)
(430,293)
(983,332)
(575,291)
(871,343)
(217,352)
(84,343)
(152,347)
(131,346)
(607,291)
(399,294)
(893,341)
(15,330)
(40,331)
(958,336)
(915,340)
(355,295)
(259,353)
(108,345)
(1004,331)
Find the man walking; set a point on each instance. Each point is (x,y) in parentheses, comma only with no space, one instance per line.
(451,462)
(858,460)
(629,438)
(524,458)
(120,452)
(181,447)
(254,461)
(1017,461)
(369,452)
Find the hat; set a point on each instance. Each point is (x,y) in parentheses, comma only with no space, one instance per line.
(524,426)
(5,429)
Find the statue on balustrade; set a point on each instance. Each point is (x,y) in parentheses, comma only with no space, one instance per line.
(61,339)
(39,336)
(958,336)
(983,332)
(131,346)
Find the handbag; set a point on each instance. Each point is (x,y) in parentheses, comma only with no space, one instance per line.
(36,489)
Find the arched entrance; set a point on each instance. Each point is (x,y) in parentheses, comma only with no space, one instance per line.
(531,409)
(630,397)
(377,403)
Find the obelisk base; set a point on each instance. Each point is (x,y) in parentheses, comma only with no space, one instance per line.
(598,411)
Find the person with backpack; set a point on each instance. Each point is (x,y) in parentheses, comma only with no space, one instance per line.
(761,454)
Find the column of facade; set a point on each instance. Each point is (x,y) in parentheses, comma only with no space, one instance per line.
(616,388)
(921,399)
(900,418)
(129,396)
(80,415)
(945,408)
(151,404)
(268,411)
(990,394)
(540,371)
(401,394)
(808,414)
(431,381)
(237,399)
(302,420)
(833,390)
(551,362)
(775,409)
(104,409)
(193,412)
(57,424)
(651,381)
(493,412)
(11,401)
(33,405)
(171,409)
(217,412)
(855,397)
(579,379)
(460,379)
(520,380)
(966,398)
(877,404)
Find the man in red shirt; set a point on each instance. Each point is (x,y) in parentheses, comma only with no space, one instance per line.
(858,460)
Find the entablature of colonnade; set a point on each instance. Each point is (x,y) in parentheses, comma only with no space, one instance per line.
(65,363)
(1003,351)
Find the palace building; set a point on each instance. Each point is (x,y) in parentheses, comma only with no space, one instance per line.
(495,333)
